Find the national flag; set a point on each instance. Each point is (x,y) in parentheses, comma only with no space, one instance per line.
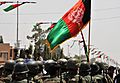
(93,52)
(98,52)
(1,3)
(52,25)
(99,56)
(70,24)
(93,49)
(13,6)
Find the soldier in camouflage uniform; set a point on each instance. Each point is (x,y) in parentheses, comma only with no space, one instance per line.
(111,71)
(35,68)
(7,71)
(20,73)
(96,78)
(72,71)
(52,69)
(63,67)
(84,73)
(117,77)
(103,71)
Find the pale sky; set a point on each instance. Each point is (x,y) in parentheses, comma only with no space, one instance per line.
(105,23)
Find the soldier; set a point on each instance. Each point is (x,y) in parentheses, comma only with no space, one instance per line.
(105,73)
(111,71)
(20,73)
(101,71)
(96,78)
(34,70)
(7,71)
(72,71)
(52,69)
(84,72)
(63,67)
(117,77)
(38,77)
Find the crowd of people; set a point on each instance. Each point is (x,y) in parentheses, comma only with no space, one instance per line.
(61,71)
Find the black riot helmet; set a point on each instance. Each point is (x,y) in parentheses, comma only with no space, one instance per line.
(84,69)
(101,66)
(8,67)
(20,71)
(72,64)
(63,64)
(51,67)
(20,67)
(33,68)
(94,69)
(9,64)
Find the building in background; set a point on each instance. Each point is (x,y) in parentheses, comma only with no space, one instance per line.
(6,52)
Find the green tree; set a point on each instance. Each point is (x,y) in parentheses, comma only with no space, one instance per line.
(41,48)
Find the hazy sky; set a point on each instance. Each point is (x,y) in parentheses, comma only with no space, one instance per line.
(105,23)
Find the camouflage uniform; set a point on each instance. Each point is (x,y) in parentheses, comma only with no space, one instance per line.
(7,71)
(84,72)
(35,68)
(21,81)
(20,73)
(52,69)
(54,80)
(72,71)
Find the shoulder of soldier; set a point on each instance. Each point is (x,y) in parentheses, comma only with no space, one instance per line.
(22,81)
(99,76)
(6,80)
(51,80)
(85,79)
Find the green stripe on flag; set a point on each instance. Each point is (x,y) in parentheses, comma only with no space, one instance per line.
(8,8)
(58,34)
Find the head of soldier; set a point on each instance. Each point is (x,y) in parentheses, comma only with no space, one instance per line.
(8,67)
(84,69)
(33,68)
(63,64)
(94,69)
(20,71)
(52,67)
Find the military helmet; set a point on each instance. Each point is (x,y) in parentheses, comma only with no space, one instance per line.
(51,67)
(20,67)
(9,65)
(101,65)
(84,67)
(72,64)
(63,64)
(94,68)
(112,68)
(62,60)
(33,67)
(49,63)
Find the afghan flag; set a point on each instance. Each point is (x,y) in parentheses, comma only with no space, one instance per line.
(1,3)
(70,24)
(13,6)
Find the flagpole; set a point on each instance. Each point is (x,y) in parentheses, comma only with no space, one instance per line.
(17,33)
(89,32)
